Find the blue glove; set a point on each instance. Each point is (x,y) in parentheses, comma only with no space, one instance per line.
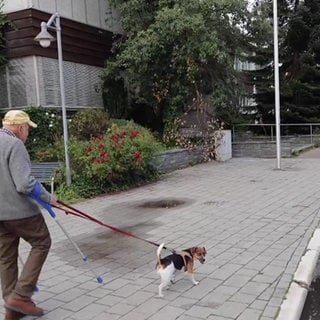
(35,195)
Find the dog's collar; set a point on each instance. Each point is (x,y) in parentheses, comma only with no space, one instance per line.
(183,255)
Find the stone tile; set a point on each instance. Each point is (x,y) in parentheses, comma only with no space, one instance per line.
(199,312)
(168,313)
(79,303)
(250,314)
(90,312)
(230,309)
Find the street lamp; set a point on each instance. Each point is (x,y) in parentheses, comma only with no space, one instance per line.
(276,80)
(45,39)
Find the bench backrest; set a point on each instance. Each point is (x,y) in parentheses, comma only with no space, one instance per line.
(44,171)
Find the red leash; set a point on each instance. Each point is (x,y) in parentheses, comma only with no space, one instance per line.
(78,213)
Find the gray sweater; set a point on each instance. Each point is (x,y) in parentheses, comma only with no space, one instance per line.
(16,181)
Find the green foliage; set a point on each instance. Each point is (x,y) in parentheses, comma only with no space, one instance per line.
(88,123)
(260,34)
(41,140)
(300,73)
(171,51)
(260,52)
(112,161)
(4,22)
(299,54)
(69,194)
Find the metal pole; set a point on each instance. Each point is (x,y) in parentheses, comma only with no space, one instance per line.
(63,102)
(276,81)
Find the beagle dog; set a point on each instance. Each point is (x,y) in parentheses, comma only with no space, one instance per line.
(167,266)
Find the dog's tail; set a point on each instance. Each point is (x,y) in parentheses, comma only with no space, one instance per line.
(159,252)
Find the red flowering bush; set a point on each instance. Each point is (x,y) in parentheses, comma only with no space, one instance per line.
(113,160)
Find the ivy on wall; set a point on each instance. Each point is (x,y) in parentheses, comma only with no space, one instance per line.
(3,24)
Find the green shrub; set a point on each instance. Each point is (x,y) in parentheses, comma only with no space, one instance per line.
(88,123)
(4,23)
(113,161)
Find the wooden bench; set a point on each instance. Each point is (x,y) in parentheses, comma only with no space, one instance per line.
(44,172)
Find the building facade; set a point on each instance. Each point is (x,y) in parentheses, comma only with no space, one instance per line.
(31,77)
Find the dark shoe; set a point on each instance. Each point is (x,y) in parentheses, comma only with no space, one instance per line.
(13,315)
(22,306)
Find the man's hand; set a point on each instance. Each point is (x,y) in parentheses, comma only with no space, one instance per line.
(54,200)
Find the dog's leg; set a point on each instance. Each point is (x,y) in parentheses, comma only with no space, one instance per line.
(165,275)
(161,286)
(173,277)
(164,283)
(191,274)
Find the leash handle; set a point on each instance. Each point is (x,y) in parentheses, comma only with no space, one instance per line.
(45,205)
(35,195)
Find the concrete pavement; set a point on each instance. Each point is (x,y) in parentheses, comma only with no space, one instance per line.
(254,220)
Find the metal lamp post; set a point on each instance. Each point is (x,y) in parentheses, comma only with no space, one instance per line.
(45,39)
(276,80)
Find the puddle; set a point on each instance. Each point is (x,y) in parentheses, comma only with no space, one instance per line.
(162,203)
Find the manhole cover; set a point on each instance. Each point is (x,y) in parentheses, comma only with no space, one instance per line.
(162,203)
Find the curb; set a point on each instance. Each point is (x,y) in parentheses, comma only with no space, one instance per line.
(292,306)
(302,149)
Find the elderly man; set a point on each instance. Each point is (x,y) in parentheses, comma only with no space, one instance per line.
(20,217)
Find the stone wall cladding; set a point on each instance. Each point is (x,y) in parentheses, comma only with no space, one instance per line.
(174,159)
(260,149)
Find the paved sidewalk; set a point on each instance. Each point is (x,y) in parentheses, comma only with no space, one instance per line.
(254,220)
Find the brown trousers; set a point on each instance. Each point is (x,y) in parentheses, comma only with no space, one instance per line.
(34,231)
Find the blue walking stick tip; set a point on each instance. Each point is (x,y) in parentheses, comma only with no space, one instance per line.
(36,289)
(99,279)
(85,258)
